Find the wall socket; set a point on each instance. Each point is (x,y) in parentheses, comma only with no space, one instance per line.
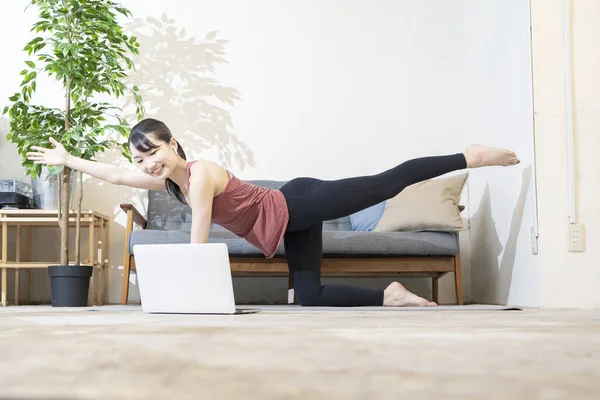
(576,237)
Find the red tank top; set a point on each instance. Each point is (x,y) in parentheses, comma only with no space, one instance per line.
(257,214)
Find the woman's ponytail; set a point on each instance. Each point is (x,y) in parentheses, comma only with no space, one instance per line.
(172,188)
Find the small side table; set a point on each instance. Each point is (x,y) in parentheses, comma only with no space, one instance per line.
(25,220)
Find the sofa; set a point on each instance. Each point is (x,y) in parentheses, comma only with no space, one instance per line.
(346,252)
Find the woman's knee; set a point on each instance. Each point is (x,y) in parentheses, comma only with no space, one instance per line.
(307,297)
(307,282)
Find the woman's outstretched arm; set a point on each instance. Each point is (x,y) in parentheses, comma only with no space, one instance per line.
(110,173)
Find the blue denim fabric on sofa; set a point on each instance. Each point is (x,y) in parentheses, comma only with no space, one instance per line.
(367,219)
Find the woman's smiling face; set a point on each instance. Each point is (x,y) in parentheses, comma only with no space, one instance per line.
(159,160)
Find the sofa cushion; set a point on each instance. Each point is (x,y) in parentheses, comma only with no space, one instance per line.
(166,213)
(335,243)
(430,205)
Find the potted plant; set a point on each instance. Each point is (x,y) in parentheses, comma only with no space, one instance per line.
(82,46)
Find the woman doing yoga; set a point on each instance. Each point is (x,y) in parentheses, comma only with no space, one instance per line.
(264,217)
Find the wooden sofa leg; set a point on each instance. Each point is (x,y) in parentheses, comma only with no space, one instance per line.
(458,280)
(127,260)
(434,289)
(125,284)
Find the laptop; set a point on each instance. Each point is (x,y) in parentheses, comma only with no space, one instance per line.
(185,279)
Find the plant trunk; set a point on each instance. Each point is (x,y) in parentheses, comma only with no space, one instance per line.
(64,223)
(79,179)
(64,187)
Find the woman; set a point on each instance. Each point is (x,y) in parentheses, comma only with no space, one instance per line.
(264,217)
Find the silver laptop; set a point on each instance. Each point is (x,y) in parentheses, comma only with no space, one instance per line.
(185,278)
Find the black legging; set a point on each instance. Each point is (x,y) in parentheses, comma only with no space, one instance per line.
(312,201)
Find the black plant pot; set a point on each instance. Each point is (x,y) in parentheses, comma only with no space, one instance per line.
(70,285)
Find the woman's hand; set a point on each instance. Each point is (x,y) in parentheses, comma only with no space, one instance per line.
(56,156)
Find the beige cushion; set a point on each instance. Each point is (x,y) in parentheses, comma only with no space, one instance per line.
(430,205)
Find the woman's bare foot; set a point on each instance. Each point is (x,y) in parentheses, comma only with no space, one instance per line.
(483,156)
(396,295)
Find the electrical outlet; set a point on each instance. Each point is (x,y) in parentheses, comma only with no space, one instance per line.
(576,237)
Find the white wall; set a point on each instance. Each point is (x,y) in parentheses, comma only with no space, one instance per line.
(569,279)
(499,111)
(334,89)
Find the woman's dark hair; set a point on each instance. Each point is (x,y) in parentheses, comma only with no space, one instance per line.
(161,132)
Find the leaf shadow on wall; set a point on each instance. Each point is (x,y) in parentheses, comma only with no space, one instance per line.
(176,76)
(492,278)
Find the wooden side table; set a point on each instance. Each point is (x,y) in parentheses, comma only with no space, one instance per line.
(25,220)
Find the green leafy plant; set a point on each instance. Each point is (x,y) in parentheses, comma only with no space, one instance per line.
(80,44)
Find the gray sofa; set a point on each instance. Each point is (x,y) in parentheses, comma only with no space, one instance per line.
(346,252)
